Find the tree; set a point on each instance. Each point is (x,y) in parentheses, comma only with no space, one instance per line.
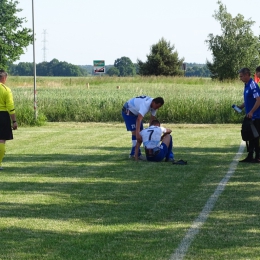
(113,71)
(59,68)
(125,67)
(237,47)
(13,38)
(42,69)
(24,69)
(162,60)
(197,70)
(52,68)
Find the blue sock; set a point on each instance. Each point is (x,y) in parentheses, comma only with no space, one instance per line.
(133,145)
(170,154)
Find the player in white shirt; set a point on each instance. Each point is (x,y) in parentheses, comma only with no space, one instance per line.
(157,142)
(133,112)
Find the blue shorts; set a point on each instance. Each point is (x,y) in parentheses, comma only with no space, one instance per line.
(130,121)
(161,155)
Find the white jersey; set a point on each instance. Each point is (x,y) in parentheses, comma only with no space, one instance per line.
(141,105)
(151,136)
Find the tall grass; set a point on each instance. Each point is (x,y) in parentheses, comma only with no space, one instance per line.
(99,99)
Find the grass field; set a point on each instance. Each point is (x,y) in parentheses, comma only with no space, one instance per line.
(69,191)
(187,100)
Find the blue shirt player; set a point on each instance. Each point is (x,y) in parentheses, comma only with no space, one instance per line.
(252,108)
(133,112)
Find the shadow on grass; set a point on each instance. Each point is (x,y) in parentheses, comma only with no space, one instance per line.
(154,202)
(90,188)
(41,244)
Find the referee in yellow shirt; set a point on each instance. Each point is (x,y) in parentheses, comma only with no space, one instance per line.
(7,113)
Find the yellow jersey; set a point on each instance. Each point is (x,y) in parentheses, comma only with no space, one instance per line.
(6,99)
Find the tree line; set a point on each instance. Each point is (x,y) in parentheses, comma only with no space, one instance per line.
(120,69)
(52,68)
(235,48)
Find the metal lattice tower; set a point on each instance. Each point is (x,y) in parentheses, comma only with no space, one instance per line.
(44,45)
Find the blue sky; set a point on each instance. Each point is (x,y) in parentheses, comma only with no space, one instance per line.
(81,31)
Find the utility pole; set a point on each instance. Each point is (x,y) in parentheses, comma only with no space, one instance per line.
(34,65)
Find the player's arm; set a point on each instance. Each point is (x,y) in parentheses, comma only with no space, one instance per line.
(168,131)
(138,126)
(138,144)
(254,108)
(13,117)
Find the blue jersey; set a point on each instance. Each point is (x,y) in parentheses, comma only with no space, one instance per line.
(251,92)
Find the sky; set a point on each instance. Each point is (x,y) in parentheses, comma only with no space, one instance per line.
(81,31)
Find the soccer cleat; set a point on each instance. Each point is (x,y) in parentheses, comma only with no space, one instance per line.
(180,162)
(247,160)
(169,160)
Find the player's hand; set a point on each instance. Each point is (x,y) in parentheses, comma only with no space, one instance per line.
(250,115)
(15,125)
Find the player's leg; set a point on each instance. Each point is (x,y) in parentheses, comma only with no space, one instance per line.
(2,152)
(162,154)
(5,133)
(256,140)
(167,140)
(134,141)
(170,154)
(130,122)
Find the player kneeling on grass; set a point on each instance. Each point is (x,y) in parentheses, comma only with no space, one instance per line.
(157,142)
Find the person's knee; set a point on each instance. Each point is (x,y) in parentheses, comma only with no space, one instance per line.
(166,140)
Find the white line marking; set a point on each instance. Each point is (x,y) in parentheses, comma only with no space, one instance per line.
(180,252)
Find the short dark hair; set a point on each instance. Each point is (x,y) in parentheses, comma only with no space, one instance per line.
(245,71)
(158,100)
(155,122)
(3,73)
(257,69)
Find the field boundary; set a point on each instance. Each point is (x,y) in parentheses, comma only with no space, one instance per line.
(183,247)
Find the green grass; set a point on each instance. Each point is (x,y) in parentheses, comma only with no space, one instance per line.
(69,191)
(187,100)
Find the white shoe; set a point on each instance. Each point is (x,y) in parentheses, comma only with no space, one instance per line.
(142,158)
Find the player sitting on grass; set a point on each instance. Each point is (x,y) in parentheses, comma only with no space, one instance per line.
(157,142)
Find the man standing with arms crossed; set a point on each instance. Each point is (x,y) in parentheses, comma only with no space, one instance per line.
(133,112)
(252,107)
(7,112)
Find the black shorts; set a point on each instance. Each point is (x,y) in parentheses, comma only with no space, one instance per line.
(257,124)
(6,132)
